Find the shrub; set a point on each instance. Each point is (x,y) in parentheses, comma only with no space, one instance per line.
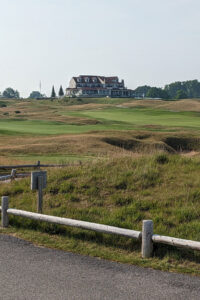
(162,159)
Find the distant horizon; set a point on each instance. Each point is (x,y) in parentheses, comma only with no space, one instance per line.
(143,42)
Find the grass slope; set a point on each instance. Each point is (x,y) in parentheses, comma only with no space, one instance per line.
(119,192)
(101,145)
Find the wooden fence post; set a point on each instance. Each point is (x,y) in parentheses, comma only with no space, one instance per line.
(40,194)
(4,214)
(147,243)
(13,173)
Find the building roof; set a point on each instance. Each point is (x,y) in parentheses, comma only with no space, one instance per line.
(88,88)
(90,79)
(96,79)
(96,88)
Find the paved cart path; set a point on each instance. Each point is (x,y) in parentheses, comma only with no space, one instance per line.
(30,272)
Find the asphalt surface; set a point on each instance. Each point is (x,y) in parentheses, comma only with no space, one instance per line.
(30,272)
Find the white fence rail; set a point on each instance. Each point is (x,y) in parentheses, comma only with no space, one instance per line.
(146,236)
(161,239)
(76,223)
(8,177)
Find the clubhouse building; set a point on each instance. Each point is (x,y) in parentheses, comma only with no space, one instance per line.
(97,86)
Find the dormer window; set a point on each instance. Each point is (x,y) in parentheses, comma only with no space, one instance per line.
(87,79)
(94,79)
(79,79)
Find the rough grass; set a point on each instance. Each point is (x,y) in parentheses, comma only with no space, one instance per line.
(172,105)
(64,148)
(119,192)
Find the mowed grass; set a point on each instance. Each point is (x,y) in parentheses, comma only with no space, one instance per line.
(33,127)
(119,192)
(49,118)
(145,117)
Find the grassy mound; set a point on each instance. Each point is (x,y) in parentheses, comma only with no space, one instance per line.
(119,192)
(140,145)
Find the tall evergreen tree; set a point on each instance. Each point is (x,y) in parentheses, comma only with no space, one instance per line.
(53,93)
(61,93)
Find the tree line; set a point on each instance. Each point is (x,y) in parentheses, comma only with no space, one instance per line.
(175,90)
(38,95)
(10,93)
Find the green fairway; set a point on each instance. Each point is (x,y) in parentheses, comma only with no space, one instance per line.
(14,127)
(143,116)
(113,118)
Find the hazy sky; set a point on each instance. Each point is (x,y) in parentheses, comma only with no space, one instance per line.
(151,42)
